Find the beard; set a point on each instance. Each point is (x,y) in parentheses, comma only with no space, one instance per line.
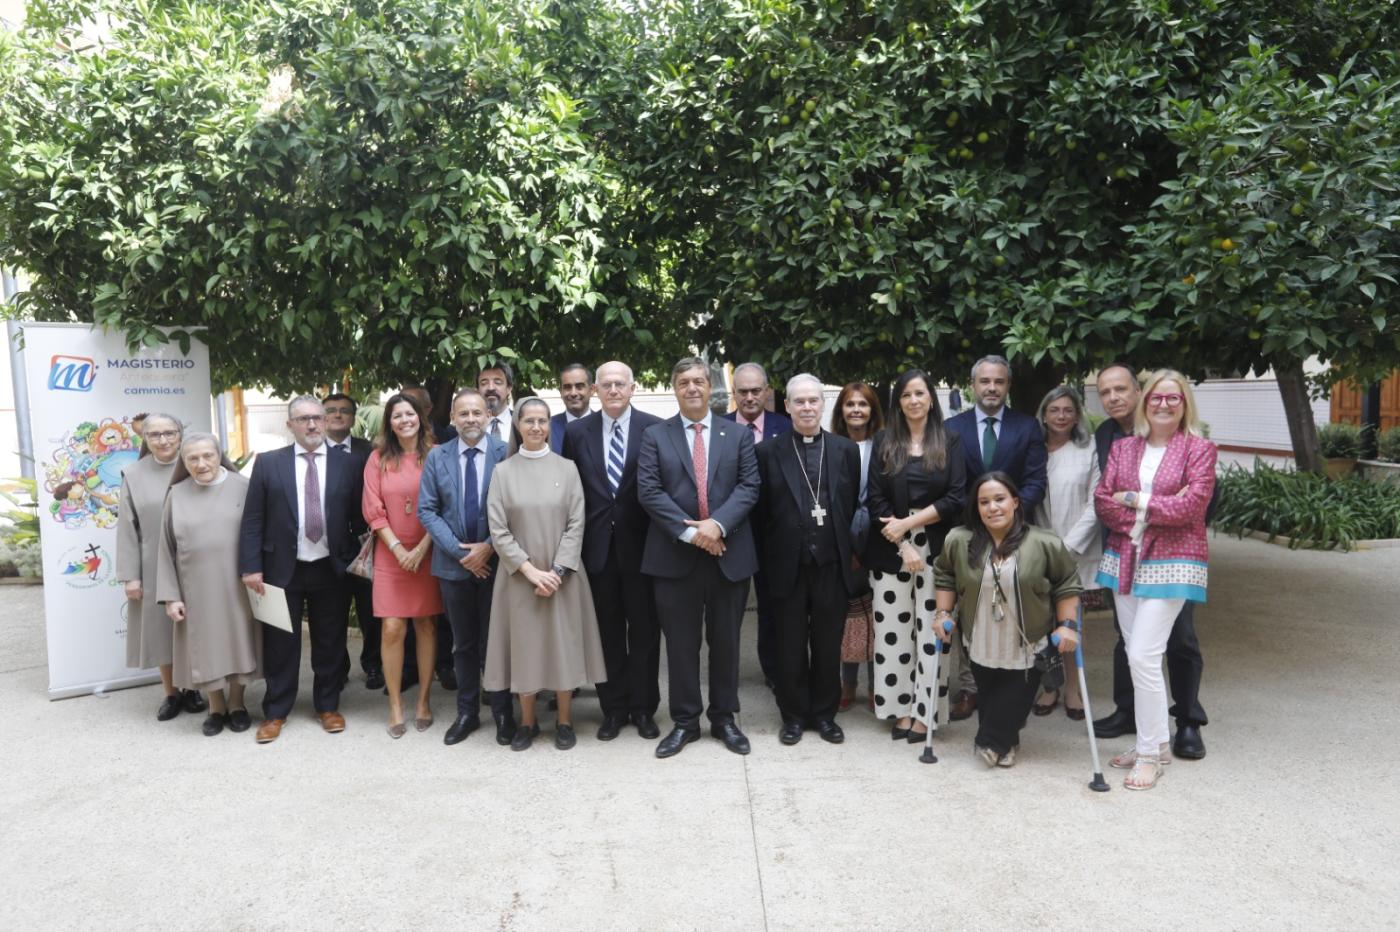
(470,435)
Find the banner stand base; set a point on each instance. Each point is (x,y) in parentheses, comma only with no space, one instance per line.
(144,678)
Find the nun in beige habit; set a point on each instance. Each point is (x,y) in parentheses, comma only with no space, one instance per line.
(543,632)
(217,646)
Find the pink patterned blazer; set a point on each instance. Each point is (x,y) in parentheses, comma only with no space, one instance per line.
(1171,561)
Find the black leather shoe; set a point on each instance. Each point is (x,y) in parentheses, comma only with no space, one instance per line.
(1188,743)
(564,737)
(611,728)
(1116,725)
(213,724)
(830,731)
(374,678)
(733,738)
(679,737)
(239,721)
(462,726)
(791,733)
(897,733)
(524,737)
(192,701)
(447,677)
(505,729)
(646,726)
(170,707)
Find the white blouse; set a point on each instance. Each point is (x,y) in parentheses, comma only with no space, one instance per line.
(1071,475)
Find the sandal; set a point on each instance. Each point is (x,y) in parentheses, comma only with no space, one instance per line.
(1128,759)
(1041,709)
(1147,770)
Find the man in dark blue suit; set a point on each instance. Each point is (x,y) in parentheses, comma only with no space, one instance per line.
(575,390)
(994,438)
(605,446)
(452,509)
(300,531)
(697,478)
(751,392)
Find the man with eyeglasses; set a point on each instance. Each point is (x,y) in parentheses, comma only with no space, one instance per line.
(576,391)
(1119,393)
(604,446)
(300,531)
(751,395)
(340,418)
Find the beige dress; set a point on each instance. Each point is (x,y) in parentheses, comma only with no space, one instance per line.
(144,484)
(218,643)
(535,510)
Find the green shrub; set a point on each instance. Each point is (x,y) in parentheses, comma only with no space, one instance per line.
(1311,510)
(1340,441)
(1388,445)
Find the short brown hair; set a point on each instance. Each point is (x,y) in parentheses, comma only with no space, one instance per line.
(688,363)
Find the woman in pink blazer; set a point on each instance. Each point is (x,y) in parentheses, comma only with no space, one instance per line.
(1152,499)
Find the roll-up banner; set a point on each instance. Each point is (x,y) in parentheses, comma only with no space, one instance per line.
(85,388)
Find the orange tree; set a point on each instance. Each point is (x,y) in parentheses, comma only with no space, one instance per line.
(402,189)
(854,187)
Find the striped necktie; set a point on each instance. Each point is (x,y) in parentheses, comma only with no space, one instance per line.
(616,457)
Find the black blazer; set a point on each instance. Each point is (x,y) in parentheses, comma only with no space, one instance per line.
(609,521)
(783,501)
(268,536)
(666,489)
(1021,453)
(888,496)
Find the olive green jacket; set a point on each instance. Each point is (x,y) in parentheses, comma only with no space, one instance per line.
(1046,572)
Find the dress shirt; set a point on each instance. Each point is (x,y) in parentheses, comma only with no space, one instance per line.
(340,444)
(483,448)
(999,414)
(624,420)
(756,425)
(307,551)
(708,420)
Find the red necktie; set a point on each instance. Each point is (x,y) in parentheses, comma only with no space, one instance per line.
(702,473)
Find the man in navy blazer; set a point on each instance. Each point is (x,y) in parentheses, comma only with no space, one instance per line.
(994,438)
(452,508)
(576,391)
(697,478)
(751,392)
(605,446)
(300,531)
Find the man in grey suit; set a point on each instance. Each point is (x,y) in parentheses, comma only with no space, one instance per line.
(697,478)
(452,508)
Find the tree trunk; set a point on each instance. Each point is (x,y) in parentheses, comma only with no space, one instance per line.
(1031,383)
(1302,431)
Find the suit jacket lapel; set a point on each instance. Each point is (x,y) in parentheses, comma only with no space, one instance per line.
(833,477)
(597,447)
(289,478)
(792,473)
(683,449)
(721,430)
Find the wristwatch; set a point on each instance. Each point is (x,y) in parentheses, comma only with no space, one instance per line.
(1130,498)
(561,571)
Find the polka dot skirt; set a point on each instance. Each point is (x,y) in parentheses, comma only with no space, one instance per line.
(905,644)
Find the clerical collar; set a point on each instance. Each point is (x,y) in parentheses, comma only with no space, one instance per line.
(812,439)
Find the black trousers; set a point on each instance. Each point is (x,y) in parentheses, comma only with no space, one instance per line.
(767,629)
(1004,700)
(370,626)
(703,603)
(324,598)
(808,623)
(626,610)
(1184,666)
(468,605)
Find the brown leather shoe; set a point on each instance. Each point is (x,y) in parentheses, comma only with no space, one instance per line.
(963,707)
(332,722)
(270,729)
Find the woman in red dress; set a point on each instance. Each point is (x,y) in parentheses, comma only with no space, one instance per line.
(404,587)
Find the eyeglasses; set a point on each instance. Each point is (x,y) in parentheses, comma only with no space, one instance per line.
(309,419)
(162,434)
(613,386)
(1168,400)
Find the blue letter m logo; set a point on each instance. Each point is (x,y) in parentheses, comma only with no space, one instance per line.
(72,374)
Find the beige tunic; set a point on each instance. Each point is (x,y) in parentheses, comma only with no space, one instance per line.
(144,484)
(535,510)
(218,643)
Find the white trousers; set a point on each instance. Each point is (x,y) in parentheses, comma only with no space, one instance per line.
(1146,624)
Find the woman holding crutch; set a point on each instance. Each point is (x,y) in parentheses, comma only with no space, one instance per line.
(1014,585)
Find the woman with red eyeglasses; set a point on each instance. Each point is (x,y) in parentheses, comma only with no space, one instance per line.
(1152,499)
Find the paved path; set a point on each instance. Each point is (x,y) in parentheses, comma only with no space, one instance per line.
(111,820)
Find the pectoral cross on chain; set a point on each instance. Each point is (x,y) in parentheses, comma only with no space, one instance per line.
(819,513)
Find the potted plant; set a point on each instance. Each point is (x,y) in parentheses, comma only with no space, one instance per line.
(1340,445)
(1388,445)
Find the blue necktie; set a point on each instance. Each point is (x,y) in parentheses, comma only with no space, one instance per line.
(616,457)
(471,506)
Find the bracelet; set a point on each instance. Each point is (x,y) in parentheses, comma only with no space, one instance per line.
(397,543)
(1071,624)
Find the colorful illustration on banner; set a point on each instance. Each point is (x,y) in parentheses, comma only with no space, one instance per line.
(85,567)
(85,474)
